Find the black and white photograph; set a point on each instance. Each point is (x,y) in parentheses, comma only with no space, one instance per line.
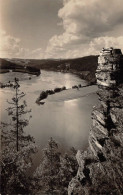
(61,97)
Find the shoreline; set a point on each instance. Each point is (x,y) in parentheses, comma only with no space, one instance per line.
(70,94)
(84,75)
(62,94)
(2,71)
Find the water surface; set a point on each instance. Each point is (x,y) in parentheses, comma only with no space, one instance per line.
(66,121)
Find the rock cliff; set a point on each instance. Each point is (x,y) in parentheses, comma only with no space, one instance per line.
(101,166)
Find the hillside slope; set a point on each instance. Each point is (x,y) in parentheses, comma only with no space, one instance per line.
(85,67)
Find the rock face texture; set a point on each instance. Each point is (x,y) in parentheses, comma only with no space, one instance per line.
(101,166)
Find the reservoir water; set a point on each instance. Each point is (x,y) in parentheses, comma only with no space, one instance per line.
(68,121)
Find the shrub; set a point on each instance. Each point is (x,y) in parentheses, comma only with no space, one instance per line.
(63,88)
(79,85)
(43,95)
(50,92)
(75,87)
(56,90)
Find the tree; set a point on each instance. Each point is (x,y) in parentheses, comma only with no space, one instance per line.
(17,110)
(47,174)
(17,147)
(55,171)
(68,168)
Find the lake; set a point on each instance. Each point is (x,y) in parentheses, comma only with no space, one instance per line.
(68,122)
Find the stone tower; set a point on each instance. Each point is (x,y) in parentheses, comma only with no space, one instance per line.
(101,166)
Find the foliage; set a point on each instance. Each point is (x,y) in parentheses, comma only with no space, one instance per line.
(47,174)
(17,148)
(57,89)
(14,170)
(55,171)
(63,88)
(50,92)
(43,95)
(68,168)
(16,110)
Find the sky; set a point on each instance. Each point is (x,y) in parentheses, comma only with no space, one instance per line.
(42,29)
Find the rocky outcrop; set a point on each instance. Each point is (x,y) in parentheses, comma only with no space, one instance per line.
(100,167)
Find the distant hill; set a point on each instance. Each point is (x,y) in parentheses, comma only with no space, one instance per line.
(7,64)
(85,67)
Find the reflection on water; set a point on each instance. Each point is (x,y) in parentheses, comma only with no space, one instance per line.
(67,121)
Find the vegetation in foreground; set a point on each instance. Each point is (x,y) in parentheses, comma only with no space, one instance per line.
(17,147)
(55,170)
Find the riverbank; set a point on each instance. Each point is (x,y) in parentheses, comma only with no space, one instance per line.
(88,76)
(6,65)
(71,94)
(58,117)
(84,67)
(2,71)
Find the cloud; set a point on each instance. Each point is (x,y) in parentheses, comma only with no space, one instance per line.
(88,26)
(91,17)
(36,53)
(91,48)
(8,44)
(11,47)
(85,24)
(106,42)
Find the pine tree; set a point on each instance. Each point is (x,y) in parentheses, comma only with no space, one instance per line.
(17,147)
(47,174)
(16,110)
(68,168)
